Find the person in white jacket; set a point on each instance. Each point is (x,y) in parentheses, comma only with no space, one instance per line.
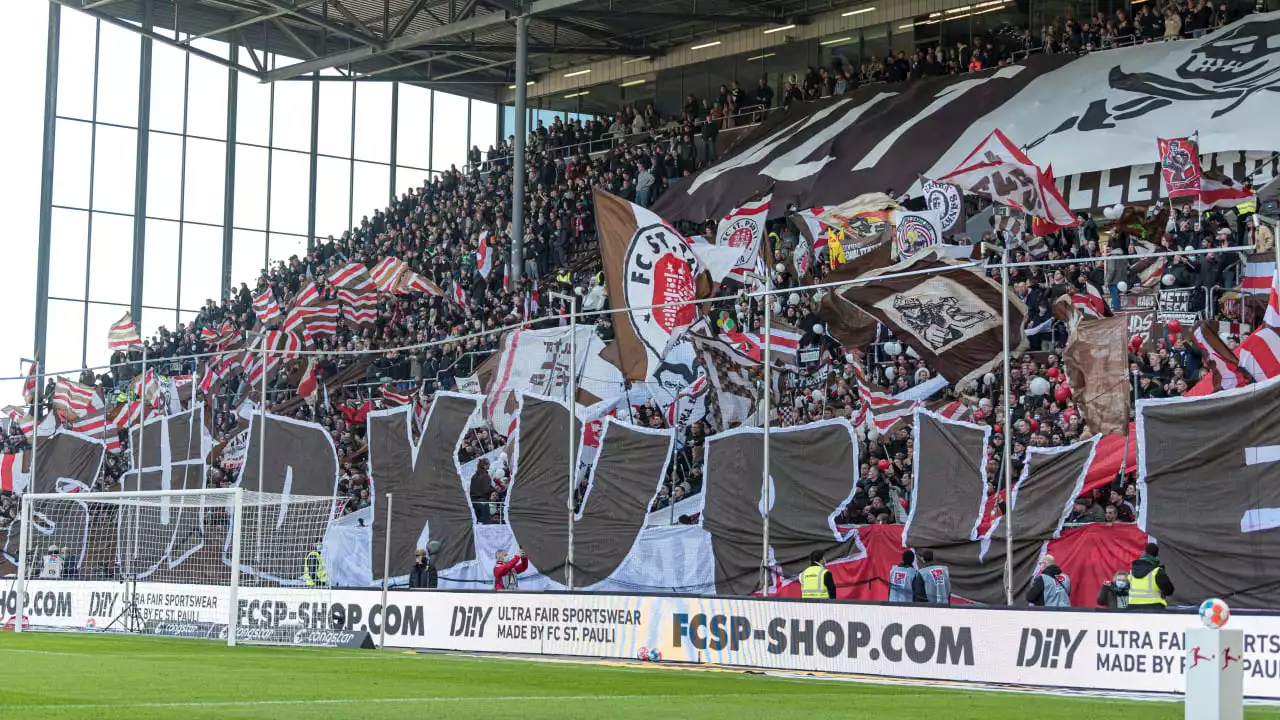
(594,299)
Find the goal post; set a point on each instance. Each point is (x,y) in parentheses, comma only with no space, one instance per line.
(192,563)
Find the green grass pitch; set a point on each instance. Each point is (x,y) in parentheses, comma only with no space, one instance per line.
(133,678)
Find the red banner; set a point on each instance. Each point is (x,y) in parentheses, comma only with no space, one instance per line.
(1090,555)
(1180,166)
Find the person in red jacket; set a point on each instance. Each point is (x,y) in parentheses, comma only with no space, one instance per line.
(505,571)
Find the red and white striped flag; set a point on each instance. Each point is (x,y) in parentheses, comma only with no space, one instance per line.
(96,426)
(1218,190)
(29,385)
(784,344)
(12,477)
(307,295)
(395,398)
(208,334)
(361,309)
(309,383)
(1219,358)
(531,303)
(266,307)
(954,410)
(131,413)
(1272,315)
(458,296)
(1090,302)
(484,256)
(352,276)
(319,318)
(1259,274)
(412,282)
(883,411)
(73,400)
(1260,354)
(387,274)
(208,376)
(123,334)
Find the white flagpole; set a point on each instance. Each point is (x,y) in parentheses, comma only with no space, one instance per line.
(1008,447)
(766,489)
(262,446)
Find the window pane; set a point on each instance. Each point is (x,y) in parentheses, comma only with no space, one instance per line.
(115,155)
(77,37)
(370,189)
(111,258)
(118,76)
(164,176)
(168,87)
(373,121)
(292,123)
(207,93)
(335,119)
(251,188)
(413,130)
(153,319)
(201,265)
(408,179)
(101,318)
(71,155)
(160,274)
(65,337)
(333,197)
(484,125)
(290,178)
(68,248)
(285,246)
(450,127)
(206,160)
(253,109)
(248,250)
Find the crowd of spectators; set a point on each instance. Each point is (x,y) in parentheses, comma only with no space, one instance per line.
(420,343)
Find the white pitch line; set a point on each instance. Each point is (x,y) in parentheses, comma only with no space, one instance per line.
(350,701)
(41,652)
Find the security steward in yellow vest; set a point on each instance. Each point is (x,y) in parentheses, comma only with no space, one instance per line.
(1243,211)
(313,568)
(565,278)
(1149,582)
(816,581)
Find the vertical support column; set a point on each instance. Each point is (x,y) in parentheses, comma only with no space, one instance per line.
(314,163)
(469,140)
(229,176)
(517,182)
(140,170)
(237,537)
(499,129)
(43,251)
(395,141)
(766,481)
(431,139)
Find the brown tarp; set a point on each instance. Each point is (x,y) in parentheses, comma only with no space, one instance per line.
(424,482)
(172,459)
(62,456)
(538,500)
(950,495)
(1097,360)
(628,472)
(814,469)
(830,154)
(299,462)
(1211,483)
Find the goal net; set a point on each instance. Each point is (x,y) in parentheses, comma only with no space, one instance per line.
(223,564)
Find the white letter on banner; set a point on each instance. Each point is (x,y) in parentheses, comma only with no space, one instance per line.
(790,166)
(1259,519)
(945,97)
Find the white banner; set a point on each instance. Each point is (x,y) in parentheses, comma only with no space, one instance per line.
(1133,652)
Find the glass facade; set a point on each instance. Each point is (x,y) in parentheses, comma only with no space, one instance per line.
(224,174)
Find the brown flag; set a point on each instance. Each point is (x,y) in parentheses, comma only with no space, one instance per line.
(646,263)
(949,314)
(732,373)
(1097,360)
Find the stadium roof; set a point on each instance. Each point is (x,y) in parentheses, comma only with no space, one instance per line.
(466,47)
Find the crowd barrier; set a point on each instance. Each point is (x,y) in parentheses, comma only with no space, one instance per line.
(1080,650)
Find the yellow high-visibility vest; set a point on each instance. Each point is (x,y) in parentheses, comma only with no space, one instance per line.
(320,577)
(813,582)
(1143,591)
(1248,206)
